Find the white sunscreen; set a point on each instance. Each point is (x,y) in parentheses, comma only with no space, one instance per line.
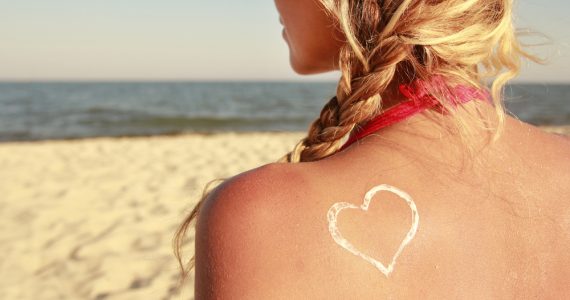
(344,243)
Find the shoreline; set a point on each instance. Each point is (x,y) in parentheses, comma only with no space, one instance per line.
(561,129)
(152,136)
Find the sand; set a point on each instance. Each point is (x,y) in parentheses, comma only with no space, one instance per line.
(94,219)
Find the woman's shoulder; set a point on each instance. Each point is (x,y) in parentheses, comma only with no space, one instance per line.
(264,231)
(263,234)
(256,188)
(243,232)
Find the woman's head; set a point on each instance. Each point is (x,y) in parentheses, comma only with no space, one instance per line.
(378,43)
(451,31)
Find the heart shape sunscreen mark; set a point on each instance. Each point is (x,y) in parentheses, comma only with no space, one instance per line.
(344,243)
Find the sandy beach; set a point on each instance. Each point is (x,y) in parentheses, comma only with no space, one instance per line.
(94,218)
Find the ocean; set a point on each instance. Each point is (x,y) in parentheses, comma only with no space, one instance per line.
(40,111)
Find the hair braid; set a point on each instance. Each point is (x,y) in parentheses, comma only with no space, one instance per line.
(357,101)
(367,68)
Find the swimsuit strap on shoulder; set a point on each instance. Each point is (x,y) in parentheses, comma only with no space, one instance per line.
(419,95)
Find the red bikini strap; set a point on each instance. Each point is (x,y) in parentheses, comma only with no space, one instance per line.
(419,100)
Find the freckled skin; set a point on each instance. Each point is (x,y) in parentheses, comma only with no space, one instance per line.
(493,226)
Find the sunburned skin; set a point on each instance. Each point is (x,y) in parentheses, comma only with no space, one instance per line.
(344,243)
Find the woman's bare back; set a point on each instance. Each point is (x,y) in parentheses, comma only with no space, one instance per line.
(496,228)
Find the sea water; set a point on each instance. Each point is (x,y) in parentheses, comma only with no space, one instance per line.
(37,111)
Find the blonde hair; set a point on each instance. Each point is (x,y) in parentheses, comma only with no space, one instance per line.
(467,42)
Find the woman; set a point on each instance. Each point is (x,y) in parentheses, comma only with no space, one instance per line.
(412,183)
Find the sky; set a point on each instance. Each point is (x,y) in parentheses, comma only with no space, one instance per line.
(109,40)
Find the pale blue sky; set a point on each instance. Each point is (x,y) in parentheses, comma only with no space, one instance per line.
(190,40)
